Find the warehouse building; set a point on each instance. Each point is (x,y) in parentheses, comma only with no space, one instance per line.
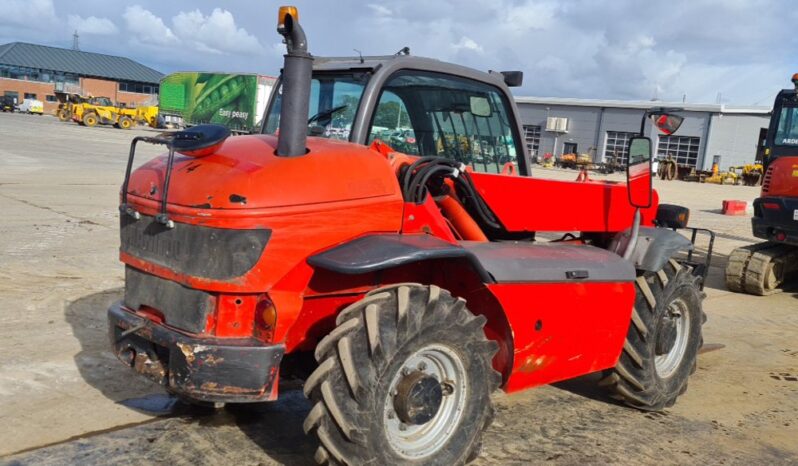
(29,71)
(731,135)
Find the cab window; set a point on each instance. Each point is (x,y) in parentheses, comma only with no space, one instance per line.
(432,114)
(334,99)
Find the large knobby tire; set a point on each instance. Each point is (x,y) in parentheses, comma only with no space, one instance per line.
(125,122)
(662,343)
(90,119)
(382,344)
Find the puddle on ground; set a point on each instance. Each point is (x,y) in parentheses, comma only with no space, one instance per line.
(158,404)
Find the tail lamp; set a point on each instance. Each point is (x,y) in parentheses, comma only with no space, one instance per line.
(266,314)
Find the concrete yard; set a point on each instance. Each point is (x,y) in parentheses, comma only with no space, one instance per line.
(66,400)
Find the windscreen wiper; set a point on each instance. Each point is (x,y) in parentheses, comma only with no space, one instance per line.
(326,113)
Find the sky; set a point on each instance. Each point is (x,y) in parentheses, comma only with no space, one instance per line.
(737,52)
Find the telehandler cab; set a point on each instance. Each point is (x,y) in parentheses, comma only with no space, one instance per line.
(413,279)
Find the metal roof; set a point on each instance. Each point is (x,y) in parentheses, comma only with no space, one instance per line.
(95,65)
(644,105)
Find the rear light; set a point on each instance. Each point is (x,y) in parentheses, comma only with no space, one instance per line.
(771,205)
(780,236)
(266,316)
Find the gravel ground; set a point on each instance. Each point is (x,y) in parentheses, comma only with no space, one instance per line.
(67,401)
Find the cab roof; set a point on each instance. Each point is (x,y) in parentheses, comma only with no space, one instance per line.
(396,62)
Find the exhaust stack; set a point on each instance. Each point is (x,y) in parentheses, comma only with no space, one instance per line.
(296,75)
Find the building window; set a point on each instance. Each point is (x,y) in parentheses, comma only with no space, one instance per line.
(532,139)
(683,149)
(617,147)
(138,88)
(570,148)
(50,98)
(29,95)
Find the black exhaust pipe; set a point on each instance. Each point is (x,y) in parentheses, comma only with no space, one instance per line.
(296,76)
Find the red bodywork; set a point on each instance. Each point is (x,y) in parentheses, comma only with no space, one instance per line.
(341,191)
(781,179)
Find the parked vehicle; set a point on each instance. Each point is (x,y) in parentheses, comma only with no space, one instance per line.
(32,106)
(8,103)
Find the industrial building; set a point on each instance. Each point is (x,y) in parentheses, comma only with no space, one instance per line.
(30,71)
(730,135)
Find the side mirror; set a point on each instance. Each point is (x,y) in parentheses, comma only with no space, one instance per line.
(638,172)
(668,123)
(513,78)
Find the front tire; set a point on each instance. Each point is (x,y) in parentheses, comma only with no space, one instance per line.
(405,377)
(662,342)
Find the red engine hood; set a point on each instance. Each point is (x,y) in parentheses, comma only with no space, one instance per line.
(245,174)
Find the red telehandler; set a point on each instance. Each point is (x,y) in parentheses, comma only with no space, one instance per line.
(404,288)
(762,268)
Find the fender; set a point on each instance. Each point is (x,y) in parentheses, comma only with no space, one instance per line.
(654,247)
(383,251)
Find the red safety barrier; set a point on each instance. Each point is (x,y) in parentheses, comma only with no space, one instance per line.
(734,207)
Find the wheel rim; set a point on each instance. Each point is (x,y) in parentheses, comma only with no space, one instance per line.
(418,441)
(666,364)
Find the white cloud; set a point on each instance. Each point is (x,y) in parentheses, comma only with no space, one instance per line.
(466,43)
(147,27)
(380,10)
(215,33)
(531,14)
(92,25)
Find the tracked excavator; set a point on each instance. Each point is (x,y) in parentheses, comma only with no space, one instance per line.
(762,268)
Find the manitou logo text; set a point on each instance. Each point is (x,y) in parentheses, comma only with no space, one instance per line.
(153,244)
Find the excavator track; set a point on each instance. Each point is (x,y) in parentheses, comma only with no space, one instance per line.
(760,269)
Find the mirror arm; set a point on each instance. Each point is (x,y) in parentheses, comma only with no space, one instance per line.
(630,246)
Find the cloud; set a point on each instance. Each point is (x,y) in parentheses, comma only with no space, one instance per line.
(92,25)
(27,13)
(530,14)
(148,28)
(215,33)
(467,43)
(380,10)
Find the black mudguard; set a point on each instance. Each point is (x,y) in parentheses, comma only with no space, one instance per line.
(495,262)
(379,252)
(654,247)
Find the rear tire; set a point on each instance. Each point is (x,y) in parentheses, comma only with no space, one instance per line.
(382,344)
(125,123)
(662,342)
